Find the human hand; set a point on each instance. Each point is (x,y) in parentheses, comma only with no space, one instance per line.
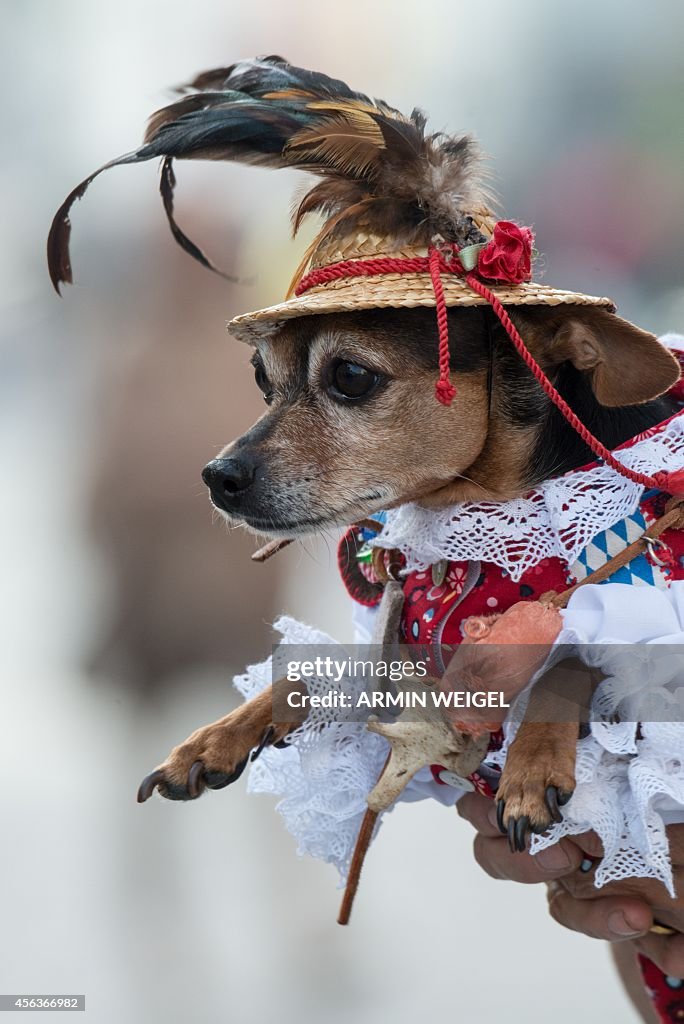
(493,854)
(617,913)
(575,903)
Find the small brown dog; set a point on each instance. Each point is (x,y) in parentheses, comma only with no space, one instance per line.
(348,370)
(349,431)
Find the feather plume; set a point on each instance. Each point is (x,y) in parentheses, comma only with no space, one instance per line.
(379,169)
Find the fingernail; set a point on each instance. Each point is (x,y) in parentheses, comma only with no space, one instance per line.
(554,858)
(619,925)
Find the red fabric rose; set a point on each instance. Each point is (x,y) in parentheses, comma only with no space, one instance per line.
(508,255)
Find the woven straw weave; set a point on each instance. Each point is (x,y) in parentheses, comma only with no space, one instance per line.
(392,291)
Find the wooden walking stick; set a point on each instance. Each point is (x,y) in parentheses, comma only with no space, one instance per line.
(413,745)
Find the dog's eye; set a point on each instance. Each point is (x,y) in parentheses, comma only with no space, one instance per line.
(262,381)
(350,380)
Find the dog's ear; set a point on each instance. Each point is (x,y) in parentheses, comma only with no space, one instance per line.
(626,365)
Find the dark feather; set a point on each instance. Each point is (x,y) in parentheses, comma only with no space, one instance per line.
(379,168)
(58,254)
(167,183)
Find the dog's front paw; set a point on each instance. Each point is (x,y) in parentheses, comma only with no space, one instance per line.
(537,779)
(211,758)
(531,801)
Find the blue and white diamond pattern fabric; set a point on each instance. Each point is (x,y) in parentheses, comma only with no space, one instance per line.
(641,571)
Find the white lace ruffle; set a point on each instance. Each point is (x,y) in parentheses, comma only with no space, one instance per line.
(329,766)
(627,791)
(558,519)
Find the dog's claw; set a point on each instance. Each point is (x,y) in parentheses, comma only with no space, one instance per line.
(521,828)
(199,779)
(218,780)
(196,764)
(195,784)
(149,784)
(563,797)
(500,811)
(511,835)
(552,804)
(265,740)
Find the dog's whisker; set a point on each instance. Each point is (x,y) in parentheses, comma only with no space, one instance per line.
(469,480)
(305,551)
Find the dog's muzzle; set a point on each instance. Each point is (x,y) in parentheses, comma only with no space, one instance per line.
(228,481)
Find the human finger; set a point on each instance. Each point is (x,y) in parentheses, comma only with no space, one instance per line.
(496,858)
(612,918)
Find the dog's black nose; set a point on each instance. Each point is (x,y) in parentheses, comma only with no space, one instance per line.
(227,479)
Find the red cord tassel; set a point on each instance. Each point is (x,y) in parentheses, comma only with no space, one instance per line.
(444,389)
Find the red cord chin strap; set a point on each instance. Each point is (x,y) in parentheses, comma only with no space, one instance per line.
(435,263)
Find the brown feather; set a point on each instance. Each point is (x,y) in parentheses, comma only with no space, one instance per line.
(288,94)
(333,193)
(351,147)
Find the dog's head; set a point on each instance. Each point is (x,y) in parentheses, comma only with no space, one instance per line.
(353,426)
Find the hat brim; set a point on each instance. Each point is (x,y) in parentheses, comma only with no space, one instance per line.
(397,291)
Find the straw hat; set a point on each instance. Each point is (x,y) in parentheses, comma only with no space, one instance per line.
(393,290)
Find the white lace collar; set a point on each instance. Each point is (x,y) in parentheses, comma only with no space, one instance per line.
(558,519)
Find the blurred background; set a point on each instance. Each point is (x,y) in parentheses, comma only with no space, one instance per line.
(126,610)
